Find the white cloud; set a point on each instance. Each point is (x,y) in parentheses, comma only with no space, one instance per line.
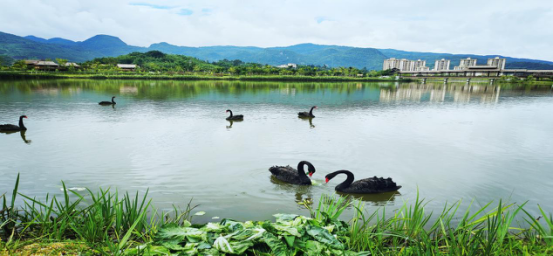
(511,28)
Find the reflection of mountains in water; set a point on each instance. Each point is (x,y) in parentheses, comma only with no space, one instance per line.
(297,93)
(445,93)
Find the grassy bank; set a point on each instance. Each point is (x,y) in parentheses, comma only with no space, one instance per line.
(108,223)
(5,75)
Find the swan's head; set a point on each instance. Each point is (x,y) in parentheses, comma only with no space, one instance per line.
(228,110)
(311,169)
(23,116)
(113,97)
(314,106)
(330,176)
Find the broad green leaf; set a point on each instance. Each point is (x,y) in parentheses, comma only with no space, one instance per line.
(285,217)
(222,244)
(232,224)
(287,228)
(172,232)
(323,236)
(278,248)
(213,227)
(290,240)
(314,247)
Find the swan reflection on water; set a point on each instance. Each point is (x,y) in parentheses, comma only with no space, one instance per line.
(379,199)
(22,133)
(232,122)
(303,194)
(310,121)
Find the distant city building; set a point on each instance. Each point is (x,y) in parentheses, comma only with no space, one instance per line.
(390,64)
(497,62)
(293,65)
(442,64)
(404,64)
(465,63)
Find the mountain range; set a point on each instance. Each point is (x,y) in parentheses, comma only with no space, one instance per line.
(32,47)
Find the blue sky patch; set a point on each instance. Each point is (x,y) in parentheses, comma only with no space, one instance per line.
(185,12)
(155,6)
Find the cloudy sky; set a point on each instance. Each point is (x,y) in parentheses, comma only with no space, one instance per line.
(507,27)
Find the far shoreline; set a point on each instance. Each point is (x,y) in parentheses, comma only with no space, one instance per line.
(11,75)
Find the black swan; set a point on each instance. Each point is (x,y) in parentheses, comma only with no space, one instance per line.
(293,176)
(11,127)
(234,117)
(112,102)
(365,186)
(307,114)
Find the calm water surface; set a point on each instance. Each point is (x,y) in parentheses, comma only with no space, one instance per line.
(449,142)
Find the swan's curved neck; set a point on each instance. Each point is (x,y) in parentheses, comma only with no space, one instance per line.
(311,111)
(21,125)
(348,180)
(230,113)
(301,171)
(112,100)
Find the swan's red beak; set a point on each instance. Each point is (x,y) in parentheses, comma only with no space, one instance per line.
(25,117)
(310,174)
(326,180)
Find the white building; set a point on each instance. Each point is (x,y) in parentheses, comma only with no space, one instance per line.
(442,64)
(497,62)
(405,64)
(465,63)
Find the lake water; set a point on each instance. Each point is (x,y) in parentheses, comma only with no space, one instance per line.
(453,142)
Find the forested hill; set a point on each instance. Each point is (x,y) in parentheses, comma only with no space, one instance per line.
(14,47)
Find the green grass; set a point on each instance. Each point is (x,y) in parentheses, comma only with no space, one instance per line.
(128,224)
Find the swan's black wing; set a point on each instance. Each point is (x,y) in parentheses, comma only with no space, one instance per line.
(105,103)
(9,127)
(288,174)
(371,186)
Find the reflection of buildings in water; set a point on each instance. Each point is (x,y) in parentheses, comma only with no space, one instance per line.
(457,93)
(48,91)
(129,90)
(288,91)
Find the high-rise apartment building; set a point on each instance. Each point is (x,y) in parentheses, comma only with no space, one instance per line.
(442,64)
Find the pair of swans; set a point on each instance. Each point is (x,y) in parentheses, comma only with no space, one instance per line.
(365,186)
(241,117)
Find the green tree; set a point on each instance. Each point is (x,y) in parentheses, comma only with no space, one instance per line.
(61,62)
(19,65)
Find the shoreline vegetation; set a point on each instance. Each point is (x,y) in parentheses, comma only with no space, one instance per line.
(108,223)
(8,75)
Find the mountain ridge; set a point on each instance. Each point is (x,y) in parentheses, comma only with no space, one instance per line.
(17,47)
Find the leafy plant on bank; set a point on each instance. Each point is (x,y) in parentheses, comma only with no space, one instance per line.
(129,225)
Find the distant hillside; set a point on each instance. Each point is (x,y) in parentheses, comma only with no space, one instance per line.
(16,47)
